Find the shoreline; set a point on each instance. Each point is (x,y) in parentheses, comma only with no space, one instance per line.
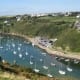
(48,50)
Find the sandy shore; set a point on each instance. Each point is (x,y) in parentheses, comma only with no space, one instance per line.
(57,53)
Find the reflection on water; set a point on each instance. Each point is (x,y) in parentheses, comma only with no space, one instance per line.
(14,49)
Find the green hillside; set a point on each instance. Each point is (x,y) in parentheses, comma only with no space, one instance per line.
(59,27)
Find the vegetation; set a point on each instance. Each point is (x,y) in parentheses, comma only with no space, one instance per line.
(15,72)
(60,27)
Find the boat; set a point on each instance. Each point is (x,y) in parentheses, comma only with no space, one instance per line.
(67,60)
(3,61)
(31,60)
(56,57)
(62,72)
(13,44)
(20,55)
(45,67)
(43,54)
(52,64)
(49,75)
(20,44)
(35,69)
(69,69)
(61,58)
(33,44)
(41,60)
(14,52)
(19,48)
(26,53)
(76,61)
(1,47)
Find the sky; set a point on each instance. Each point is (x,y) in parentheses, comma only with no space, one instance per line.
(12,7)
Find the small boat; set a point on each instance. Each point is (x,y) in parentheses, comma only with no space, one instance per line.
(61,58)
(31,60)
(13,44)
(41,60)
(20,55)
(35,69)
(43,54)
(76,61)
(1,47)
(69,69)
(52,64)
(20,44)
(45,67)
(56,57)
(33,44)
(26,53)
(49,75)
(67,60)
(3,61)
(19,48)
(62,72)
(14,52)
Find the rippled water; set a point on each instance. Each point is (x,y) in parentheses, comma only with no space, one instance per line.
(19,50)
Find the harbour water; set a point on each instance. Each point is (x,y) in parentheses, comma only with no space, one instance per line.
(15,49)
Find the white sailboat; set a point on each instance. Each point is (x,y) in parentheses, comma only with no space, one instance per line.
(33,44)
(62,72)
(68,68)
(41,60)
(67,60)
(13,44)
(19,48)
(35,69)
(20,55)
(49,75)
(52,64)
(43,54)
(1,47)
(20,44)
(44,66)
(31,60)
(26,53)
(76,61)
(14,52)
